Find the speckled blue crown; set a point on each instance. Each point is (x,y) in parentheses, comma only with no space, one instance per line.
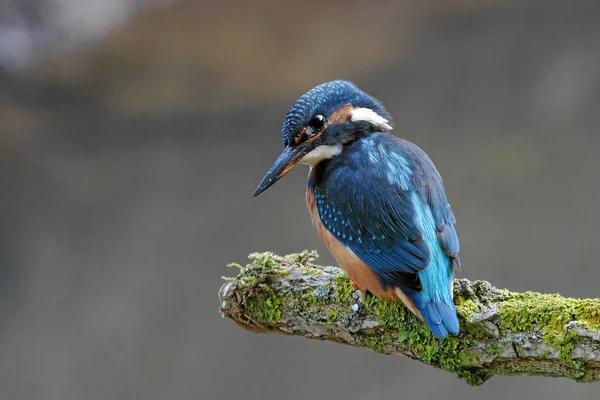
(325,99)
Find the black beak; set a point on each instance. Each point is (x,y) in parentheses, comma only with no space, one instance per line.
(284,164)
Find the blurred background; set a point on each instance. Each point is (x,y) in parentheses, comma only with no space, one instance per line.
(132,134)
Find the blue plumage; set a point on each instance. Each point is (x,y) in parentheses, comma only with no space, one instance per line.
(325,99)
(380,199)
(383,198)
(434,301)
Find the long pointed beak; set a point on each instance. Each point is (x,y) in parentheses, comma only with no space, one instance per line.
(284,164)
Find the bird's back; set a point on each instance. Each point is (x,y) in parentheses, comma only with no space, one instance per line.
(382,201)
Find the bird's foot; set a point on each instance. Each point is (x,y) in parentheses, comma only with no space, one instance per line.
(356,286)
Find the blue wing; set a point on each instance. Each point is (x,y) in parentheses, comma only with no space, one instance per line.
(384,241)
(368,208)
(364,199)
(428,183)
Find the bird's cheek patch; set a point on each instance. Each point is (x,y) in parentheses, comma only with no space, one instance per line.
(342,114)
(370,116)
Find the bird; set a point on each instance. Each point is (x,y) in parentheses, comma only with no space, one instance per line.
(377,201)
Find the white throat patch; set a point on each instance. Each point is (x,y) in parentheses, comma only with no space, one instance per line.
(368,115)
(321,153)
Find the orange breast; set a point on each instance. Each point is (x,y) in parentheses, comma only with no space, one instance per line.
(354,267)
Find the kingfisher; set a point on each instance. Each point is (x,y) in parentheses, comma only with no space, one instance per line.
(377,201)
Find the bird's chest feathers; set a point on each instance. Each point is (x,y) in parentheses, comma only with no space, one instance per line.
(330,241)
(356,269)
(314,214)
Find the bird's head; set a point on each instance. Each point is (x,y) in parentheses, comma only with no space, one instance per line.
(321,122)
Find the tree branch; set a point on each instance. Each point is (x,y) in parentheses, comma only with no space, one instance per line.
(501,332)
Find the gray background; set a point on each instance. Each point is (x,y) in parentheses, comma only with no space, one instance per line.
(127,166)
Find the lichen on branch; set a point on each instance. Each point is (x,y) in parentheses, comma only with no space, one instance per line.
(502,332)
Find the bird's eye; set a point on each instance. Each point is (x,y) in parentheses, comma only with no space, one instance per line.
(317,122)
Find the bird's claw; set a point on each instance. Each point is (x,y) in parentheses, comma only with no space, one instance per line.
(356,286)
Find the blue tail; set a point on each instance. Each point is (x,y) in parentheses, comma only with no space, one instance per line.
(434,301)
(439,314)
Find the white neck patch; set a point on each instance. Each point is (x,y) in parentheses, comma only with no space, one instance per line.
(370,116)
(321,153)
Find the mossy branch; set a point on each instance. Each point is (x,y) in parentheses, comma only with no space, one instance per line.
(502,332)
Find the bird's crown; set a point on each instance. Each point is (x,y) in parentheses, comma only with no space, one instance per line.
(332,102)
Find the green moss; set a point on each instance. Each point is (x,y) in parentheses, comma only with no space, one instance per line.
(564,343)
(331,316)
(591,375)
(375,346)
(444,354)
(309,298)
(264,266)
(391,314)
(523,311)
(263,306)
(265,261)
(302,258)
(474,378)
(343,288)
(494,350)
(248,280)
(588,326)
(550,313)
(312,271)
(545,353)
(465,308)
(543,367)
(369,301)
(468,359)
(313,304)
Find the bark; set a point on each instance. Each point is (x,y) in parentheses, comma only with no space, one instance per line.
(502,332)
